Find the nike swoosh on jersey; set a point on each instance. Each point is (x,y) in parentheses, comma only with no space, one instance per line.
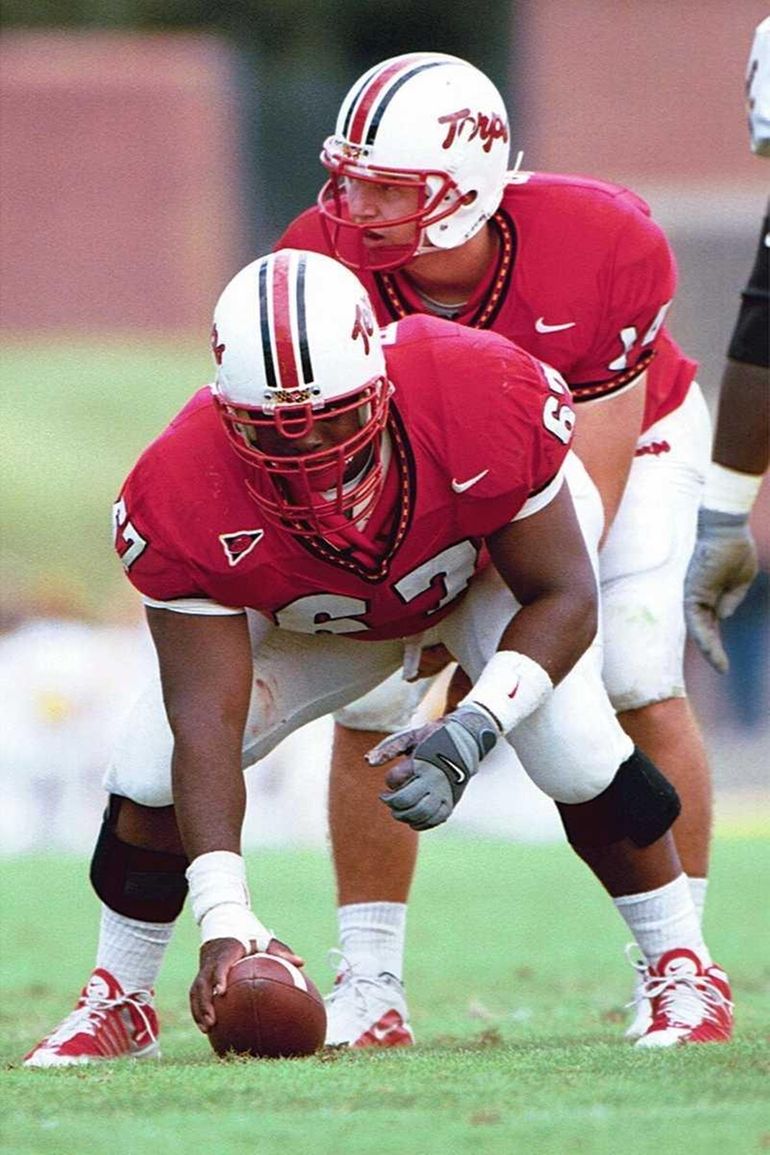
(542,327)
(461,486)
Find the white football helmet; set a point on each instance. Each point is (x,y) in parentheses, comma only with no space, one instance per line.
(296,345)
(425,119)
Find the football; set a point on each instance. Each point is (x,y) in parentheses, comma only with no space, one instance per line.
(270,1010)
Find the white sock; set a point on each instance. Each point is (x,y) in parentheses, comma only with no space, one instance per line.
(132,951)
(663,919)
(372,936)
(698,888)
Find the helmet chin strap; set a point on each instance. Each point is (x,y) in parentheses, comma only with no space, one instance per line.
(514,172)
(425,246)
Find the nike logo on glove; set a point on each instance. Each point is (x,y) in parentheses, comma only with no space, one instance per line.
(542,327)
(461,486)
(449,765)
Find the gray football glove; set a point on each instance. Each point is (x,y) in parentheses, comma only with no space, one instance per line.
(722,567)
(442,758)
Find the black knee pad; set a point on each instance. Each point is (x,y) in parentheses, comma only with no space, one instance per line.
(148,885)
(640,804)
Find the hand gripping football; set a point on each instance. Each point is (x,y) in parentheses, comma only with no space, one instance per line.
(270,1010)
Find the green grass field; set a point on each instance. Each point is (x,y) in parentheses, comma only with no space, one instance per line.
(74,417)
(516,980)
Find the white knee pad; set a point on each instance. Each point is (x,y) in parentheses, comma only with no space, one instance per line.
(645,558)
(644,651)
(572,745)
(642,608)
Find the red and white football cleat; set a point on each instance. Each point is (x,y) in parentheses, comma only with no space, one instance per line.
(367,1011)
(690,1003)
(107,1023)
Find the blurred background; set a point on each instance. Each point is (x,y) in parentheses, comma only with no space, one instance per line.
(148,150)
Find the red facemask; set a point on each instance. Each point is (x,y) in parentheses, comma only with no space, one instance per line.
(347,238)
(306,493)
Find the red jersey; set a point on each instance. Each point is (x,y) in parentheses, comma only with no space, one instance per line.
(476,428)
(583,280)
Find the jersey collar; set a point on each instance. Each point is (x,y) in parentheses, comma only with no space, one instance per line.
(481,310)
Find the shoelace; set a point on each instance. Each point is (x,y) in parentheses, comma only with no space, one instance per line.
(343,972)
(86,1019)
(348,979)
(687,1000)
(636,960)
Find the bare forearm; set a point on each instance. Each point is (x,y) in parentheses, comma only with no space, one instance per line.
(742,436)
(555,630)
(206,671)
(544,562)
(209,797)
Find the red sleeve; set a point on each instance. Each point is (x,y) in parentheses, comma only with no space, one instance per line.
(640,286)
(491,413)
(549,417)
(145,551)
(525,438)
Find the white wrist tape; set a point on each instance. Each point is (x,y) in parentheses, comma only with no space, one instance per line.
(511,687)
(231,921)
(729,491)
(220,902)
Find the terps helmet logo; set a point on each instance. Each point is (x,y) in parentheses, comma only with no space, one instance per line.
(487,128)
(238,545)
(216,348)
(363,325)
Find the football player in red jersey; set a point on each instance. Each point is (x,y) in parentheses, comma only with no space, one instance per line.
(421,203)
(335,496)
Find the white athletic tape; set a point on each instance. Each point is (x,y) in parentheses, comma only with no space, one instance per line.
(294,972)
(729,491)
(219,896)
(510,687)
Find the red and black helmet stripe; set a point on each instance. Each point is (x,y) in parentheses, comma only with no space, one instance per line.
(283,321)
(375,94)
